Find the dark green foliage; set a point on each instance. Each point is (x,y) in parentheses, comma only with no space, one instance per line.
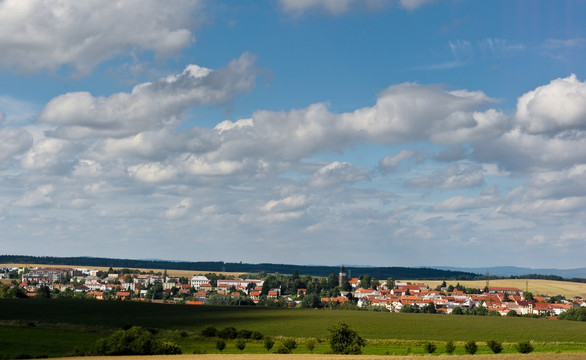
(495,346)
(471,347)
(458,311)
(220,345)
(429,347)
(240,344)
(228,333)
(134,341)
(269,343)
(209,331)
(450,347)
(344,340)
(310,345)
(409,309)
(429,309)
(524,347)
(290,344)
(512,313)
(576,314)
(256,335)
(244,334)
(282,349)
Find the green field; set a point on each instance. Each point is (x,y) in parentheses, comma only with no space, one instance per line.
(57,327)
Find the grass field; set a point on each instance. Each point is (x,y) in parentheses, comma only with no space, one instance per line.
(344,357)
(57,327)
(537,286)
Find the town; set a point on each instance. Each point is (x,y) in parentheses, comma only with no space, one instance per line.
(334,291)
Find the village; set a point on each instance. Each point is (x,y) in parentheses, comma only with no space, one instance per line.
(351,293)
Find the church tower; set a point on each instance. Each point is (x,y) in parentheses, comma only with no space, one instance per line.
(342,277)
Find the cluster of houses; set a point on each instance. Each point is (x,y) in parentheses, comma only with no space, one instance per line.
(88,283)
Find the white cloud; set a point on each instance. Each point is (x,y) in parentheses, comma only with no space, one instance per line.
(413,4)
(49,154)
(453,177)
(339,7)
(338,173)
(287,204)
(180,209)
(150,106)
(390,163)
(553,108)
(38,197)
(36,34)
(14,141)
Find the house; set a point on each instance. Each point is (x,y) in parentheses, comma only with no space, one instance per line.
(122,295)
(199,280)
(98,295)
(273,294)
(205,287)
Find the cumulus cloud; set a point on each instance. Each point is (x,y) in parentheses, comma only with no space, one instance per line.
(150,106)
(37,197)
(14,141)
(36,34)
(338,173)
(50,155)
(453,177)
(390,163)
(553,108)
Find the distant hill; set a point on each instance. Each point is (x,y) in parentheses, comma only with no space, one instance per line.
(518,271)
(381,273)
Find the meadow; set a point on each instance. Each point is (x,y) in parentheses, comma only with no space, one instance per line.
(57,327)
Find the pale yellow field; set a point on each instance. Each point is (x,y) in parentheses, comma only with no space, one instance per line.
(341,357)
(186,273)
(537,287)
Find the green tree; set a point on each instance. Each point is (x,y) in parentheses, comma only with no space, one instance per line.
(429,347)
(366,282)
(209,331)
(220,345)
(390,283)
(495,346)
(240,344)
(269,343)
(524,347)
(528,296)
(458,311)
(134,341)
(344,340)
(310,345)
(512,313)
(450,347)
(471,347)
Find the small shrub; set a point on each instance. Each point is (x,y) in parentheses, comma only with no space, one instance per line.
(495,346)
(244,334)
(290,344)
(282,349)
(198,350)
(228,333)
(512,313)
(240,344)
(183,334)
(256,335)
(269,343)
(220,345)
(209,331)
(524,347)
(471,347)
(429,347)
(450,347)
(310,344)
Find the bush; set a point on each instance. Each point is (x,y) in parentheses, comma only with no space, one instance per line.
(290,344)
(495,346)
(244,334)
(209,331)
(471,347)
(344,340)
(450,347)
(228,333)
(310,344)
(429,347)
(220,345)
(576,314)
(134,341)
(458,311)
(240,344)
(282,349)
(256,335)
(524,347)
(269,343)
(512,313)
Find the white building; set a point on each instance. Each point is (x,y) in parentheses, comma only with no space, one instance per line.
(198,280)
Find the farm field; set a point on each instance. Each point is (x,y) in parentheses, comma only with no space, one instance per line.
(57,327)
(342,357)
(535,286)
(170,272)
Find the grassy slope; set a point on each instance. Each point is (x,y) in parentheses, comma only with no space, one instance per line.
(295,323)
(545,287)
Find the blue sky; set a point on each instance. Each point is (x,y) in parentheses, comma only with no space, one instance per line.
(389,133)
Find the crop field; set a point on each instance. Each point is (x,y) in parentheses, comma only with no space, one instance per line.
(535,286)
(170,272)
(343,357)
(57,327)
